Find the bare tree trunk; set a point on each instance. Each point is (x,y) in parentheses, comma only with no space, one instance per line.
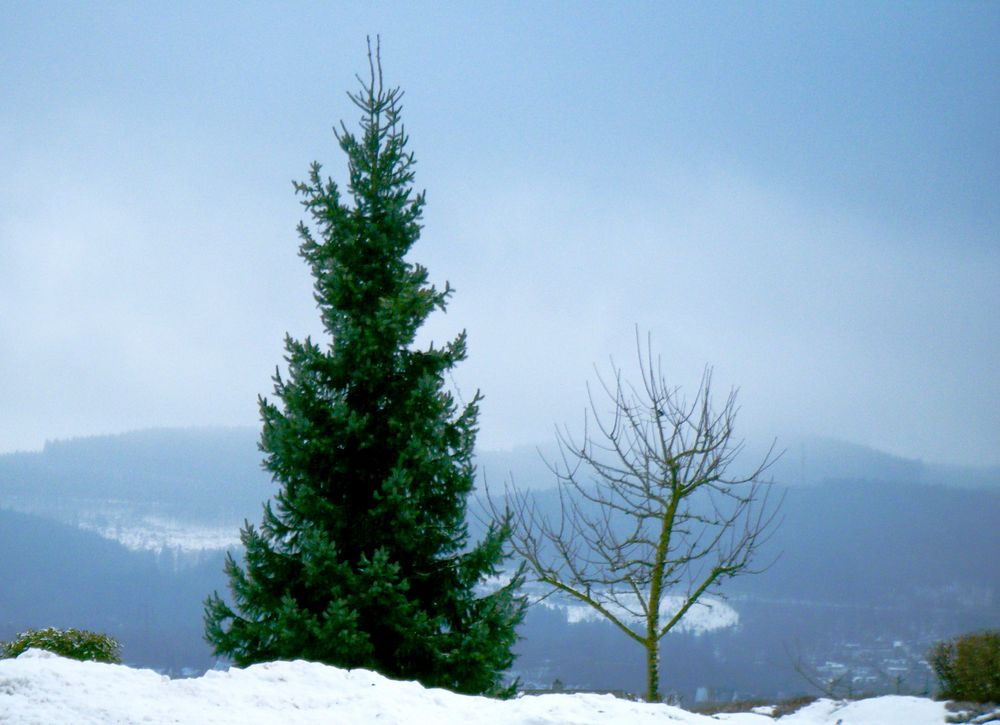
(652,670)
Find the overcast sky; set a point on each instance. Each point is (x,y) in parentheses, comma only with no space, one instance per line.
(804,195)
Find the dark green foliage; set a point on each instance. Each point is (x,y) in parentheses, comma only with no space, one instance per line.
(77,644)
(363,560)
(968,667)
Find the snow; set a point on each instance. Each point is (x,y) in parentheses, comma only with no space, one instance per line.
(39,687)
(136,526)
(706,615)
(161,533)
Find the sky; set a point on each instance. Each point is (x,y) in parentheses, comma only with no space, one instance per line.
(802,195)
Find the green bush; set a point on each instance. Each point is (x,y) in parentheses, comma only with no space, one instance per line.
(77,644)
(968,667)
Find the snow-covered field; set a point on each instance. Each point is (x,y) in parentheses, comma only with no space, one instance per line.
(39,687)
(707,615)
(161,533)
(136,526)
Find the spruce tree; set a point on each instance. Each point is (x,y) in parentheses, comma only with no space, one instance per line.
(363,559)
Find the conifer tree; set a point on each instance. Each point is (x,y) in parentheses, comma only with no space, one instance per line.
(363,558)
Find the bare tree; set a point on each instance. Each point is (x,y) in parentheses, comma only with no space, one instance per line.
(650,517)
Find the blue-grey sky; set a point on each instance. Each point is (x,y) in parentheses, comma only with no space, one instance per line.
(804,195)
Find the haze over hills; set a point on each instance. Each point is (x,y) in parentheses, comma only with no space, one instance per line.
(800,461)
(212,472)
(195,471)
(190,488)
(864,577)
(57,575)
(877,557)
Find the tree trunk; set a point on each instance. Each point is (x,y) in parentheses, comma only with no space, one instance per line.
(652,670)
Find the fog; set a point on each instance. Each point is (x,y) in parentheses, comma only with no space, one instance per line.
(803,196)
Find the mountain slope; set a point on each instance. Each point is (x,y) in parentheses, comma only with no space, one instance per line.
(57,575)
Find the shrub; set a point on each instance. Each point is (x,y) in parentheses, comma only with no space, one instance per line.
(968,667)
(77,644)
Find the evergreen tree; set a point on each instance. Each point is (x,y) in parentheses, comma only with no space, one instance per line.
(363,560)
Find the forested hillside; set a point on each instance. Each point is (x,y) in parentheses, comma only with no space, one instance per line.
(57,575)
(860,563)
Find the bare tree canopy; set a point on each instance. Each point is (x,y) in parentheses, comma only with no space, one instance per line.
(652,516)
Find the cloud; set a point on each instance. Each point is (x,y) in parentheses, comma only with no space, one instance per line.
(831,322)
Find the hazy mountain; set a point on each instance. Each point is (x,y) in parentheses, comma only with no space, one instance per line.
(799,461)
(152,489)
(809,460)
(216,474)
(193,471)
(850,540)
(865,578)
(57,575)
(876,558)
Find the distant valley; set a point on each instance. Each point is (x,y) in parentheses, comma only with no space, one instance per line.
(877,557)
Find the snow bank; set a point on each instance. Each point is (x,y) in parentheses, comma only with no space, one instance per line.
(39,687)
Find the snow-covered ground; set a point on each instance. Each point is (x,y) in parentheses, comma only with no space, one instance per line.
(39,687)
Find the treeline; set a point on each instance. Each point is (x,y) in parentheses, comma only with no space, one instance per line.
(194,472)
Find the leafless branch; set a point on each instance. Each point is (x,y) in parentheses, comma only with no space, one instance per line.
(649,512)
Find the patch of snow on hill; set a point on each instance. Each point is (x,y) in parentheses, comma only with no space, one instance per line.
(706,615)
(157,533)
(42,688)
(136,526)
